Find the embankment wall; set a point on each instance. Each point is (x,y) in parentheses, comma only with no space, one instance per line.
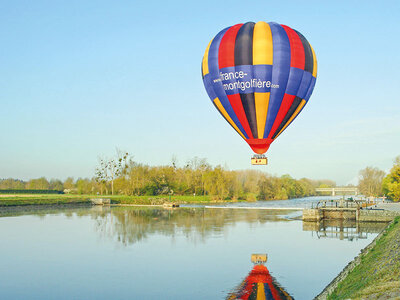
(368,215)
(361,215)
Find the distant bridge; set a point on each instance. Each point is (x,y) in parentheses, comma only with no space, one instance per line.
(335,190)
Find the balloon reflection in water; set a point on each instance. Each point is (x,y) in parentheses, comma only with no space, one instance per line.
(259,284)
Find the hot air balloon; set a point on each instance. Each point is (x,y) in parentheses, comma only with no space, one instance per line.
(259,76)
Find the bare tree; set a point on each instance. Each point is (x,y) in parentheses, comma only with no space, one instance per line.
(112,168)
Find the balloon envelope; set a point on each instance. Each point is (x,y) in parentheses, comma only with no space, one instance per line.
(259,76)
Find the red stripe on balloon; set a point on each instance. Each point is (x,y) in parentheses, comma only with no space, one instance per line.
(226,58)
(296,48)
(285,105)
(226,51)
(274,291)
(237,106)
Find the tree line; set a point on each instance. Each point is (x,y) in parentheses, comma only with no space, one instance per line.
(122,175)
(374,182)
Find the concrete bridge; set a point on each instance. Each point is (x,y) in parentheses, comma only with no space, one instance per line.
(335,190)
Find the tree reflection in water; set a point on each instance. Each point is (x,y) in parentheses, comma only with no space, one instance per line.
(131,225)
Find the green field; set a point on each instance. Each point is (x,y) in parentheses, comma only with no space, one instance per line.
(45,199)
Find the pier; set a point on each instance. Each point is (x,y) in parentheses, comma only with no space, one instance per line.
(350,210)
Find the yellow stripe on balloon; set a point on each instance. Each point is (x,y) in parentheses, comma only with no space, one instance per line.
(296,112)
(262,44)
(314,72)
(205,59)
(262,55)
(261,101)
(260,291)
(222,110)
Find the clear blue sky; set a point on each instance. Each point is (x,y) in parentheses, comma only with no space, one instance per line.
(80,78)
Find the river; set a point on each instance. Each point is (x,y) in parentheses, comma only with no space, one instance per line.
(192,252)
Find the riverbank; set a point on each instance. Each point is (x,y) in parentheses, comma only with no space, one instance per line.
(66,199)
(374,274)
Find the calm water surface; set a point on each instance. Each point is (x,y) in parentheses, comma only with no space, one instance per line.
(187,253)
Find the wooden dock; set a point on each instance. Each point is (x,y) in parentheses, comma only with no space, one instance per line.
(100,201)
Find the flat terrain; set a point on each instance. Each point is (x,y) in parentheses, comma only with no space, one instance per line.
(389,206)
(60,199)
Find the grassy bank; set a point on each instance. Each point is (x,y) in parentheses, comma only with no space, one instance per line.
(378,274)
(35,199)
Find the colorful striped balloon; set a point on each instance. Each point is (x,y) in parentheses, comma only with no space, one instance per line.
(259,76)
